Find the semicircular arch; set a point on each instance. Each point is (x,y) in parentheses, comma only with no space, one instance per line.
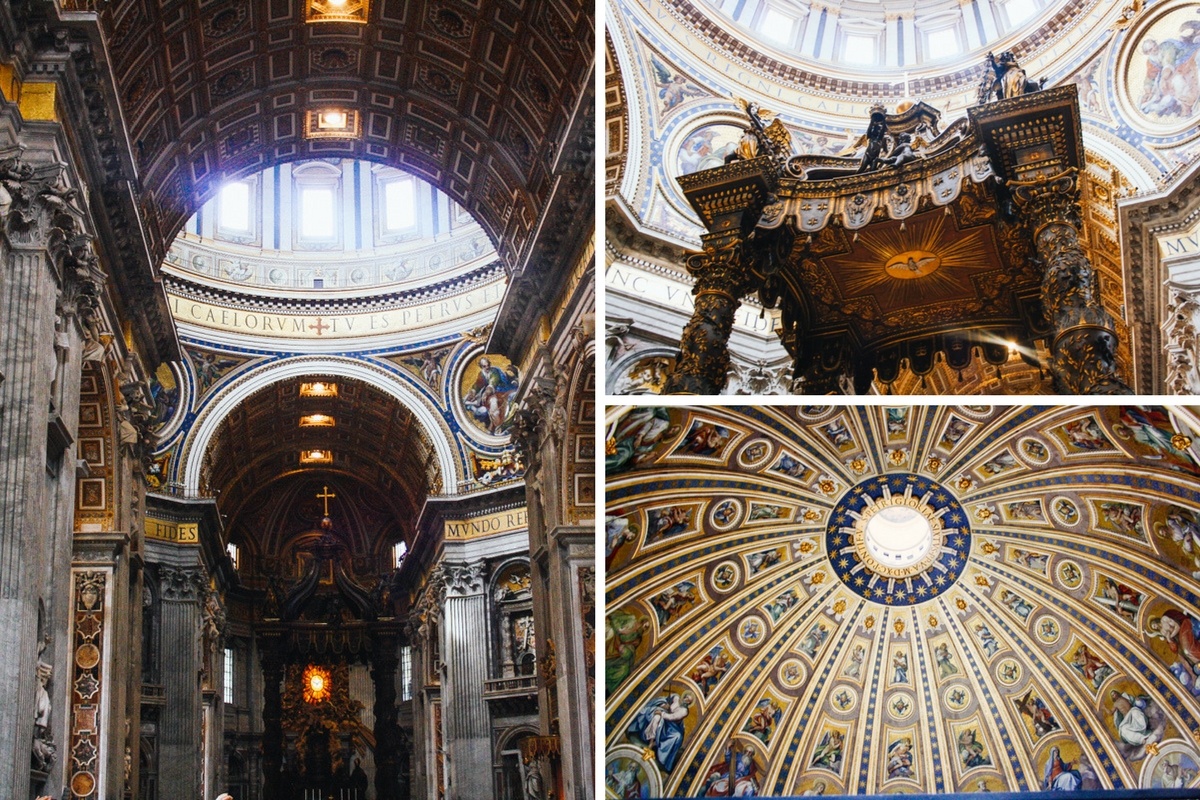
(208,421)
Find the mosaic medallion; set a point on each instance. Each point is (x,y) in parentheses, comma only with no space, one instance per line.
(898,539)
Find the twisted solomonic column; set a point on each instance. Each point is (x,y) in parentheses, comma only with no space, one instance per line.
(1083,349)
(721,280)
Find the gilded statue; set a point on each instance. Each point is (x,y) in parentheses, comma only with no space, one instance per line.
(1005,78)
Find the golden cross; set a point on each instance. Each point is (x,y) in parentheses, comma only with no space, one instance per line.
(325,495)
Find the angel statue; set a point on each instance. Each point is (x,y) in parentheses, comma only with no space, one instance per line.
(760,139)
(876,139)
(1005,78)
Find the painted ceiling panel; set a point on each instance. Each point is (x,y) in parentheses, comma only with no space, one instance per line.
(847,600)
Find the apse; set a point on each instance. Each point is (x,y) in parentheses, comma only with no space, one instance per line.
(901,599)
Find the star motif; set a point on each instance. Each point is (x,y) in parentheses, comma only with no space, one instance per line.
(956,518)
(921,590)
(953,562)
(84,753)
(843,562)
(86,686)
(87,625)
(941,497)
(959,541)
(859,580)
(836,541)
(940,580)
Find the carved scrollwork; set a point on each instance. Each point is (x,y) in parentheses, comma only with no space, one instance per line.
(1179,339)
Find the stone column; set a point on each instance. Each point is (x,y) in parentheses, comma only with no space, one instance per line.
(387,739)
(272,736)
(464,650)
(1083,350)
(29,288)
(721,280)
(180,728)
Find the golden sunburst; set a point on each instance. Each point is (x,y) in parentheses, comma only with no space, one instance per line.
(316,684)
(927,261)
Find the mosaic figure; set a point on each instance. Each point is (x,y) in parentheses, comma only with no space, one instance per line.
(760,511)
(1123,599)
(1139,722)
(945,662)
(828,752)
(488,399)
(659,727)
(1123,518)
(1181,632)
(789,466)
(627,780)
(1032,707)
(1017,604)
(1183,529)
(1151,427)
(896,420)
(1067,510)
(704,439)
(1059,775)
(1090,666)
(673,87)
(987,639)
(971,751)
(764,719)
(1171,87)
(1001,462)
(782,604)
(838,435)
(1085,434)
(711,669)
(900,758)
(617,531)
(763,560)
(900,667)
(622,636)
(1031,561)
(636,437)
(955,430)
(813,640)
(669,521)
(1026,511)
(853,668)
(724,513)
(736,776)
(675,601)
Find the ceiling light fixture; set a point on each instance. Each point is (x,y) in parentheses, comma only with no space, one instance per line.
(332,123)
(316,456)
(317,421)
(337,11)
(319,389)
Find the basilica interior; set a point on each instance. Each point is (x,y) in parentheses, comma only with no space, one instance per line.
(897,599)
(917,197)
(298,400)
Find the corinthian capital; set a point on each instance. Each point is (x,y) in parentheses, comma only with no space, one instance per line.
(463,578)
(1048,201)
(182,584)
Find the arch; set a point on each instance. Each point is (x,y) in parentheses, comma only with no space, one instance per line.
(200,436)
